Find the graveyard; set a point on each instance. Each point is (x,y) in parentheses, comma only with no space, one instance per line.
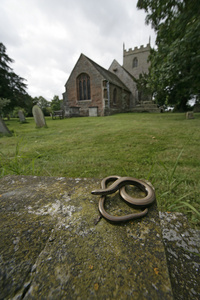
(106,206)
(162,148)
(56,242)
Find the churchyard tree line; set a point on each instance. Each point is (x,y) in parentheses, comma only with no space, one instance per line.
(13,94)
(174,76)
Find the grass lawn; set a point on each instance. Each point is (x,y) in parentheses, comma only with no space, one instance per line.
(162,148)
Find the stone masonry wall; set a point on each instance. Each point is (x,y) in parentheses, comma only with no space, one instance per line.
(84,66)
(101,92)
(117,69)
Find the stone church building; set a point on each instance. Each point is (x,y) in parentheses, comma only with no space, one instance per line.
(92,90)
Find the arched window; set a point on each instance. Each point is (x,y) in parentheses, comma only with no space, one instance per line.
(80,90)
(114,96)
(135,62)
(83,87)
(84,90)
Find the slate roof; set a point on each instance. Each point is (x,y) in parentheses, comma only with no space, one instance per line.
(119,66)
(111,77)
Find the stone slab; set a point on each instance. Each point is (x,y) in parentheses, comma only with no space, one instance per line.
(53,247)
(182,245)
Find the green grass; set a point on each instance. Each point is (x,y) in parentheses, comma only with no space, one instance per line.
(163,148)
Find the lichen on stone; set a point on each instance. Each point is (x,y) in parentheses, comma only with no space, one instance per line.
(53,249)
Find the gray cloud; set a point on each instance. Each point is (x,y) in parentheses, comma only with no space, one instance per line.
(45,38)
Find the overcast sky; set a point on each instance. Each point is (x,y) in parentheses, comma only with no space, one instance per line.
(46,37)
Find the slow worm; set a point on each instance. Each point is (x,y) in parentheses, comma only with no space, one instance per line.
(119,184)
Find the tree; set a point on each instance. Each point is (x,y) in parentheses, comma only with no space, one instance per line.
(12,86)
(43,104)
(3,103)
(174,75)
(143,88)
(56,103)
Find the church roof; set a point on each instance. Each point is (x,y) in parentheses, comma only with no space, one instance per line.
(111,77)
(117,65)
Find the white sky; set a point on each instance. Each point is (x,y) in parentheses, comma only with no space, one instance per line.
(46,37)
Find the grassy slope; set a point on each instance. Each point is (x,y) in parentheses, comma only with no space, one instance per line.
(139,145)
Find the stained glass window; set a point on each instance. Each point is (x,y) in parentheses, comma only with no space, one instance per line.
(83,84)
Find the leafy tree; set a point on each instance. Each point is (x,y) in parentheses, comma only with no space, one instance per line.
(3,103)
(28,104)
(174,73)
(43,104)
(56,103)
(12,86)
(143,88)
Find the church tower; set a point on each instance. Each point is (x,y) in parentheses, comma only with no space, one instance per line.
(135,61)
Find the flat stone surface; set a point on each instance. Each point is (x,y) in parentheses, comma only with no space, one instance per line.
(182,244)
(51,248)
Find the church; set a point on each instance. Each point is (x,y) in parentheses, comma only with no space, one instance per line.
(91,90)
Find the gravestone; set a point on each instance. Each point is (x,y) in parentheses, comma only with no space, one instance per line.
(21,116)
(189,115)
(38,116)
(3,128)
(53,247)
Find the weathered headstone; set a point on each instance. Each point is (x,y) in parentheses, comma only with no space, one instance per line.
(38,116)
(21,116)
(189,115)
(3,128)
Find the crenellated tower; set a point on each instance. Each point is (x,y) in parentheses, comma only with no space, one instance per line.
(135,61)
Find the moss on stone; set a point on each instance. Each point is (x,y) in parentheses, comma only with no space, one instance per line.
(53,249)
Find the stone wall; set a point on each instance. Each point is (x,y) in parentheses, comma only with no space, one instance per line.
(84,66)
(118,70)
(102,86)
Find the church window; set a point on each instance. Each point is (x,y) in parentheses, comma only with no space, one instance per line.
(105,83)
(80,90)
(88,87)
(83,87)
(114,96)
(135,62)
